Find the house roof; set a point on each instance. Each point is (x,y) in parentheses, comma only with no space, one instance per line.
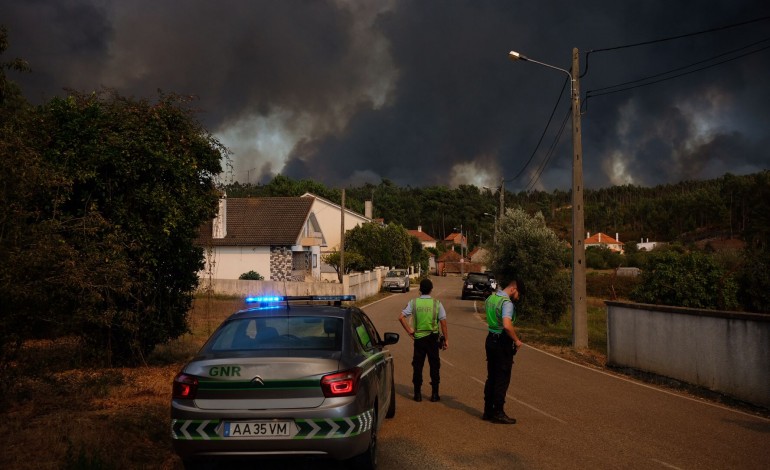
(456,238)
(422,236)
(348,211)
(261,221)
(601,239)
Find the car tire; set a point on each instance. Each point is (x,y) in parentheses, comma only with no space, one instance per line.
(368,459)
(197,464)
(392,406)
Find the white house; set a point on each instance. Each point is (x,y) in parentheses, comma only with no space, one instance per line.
(278,237)
(328,215)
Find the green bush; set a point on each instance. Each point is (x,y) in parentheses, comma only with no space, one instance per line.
(251,276)
(690,279)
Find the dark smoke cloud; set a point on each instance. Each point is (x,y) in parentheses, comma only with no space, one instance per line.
(421,92)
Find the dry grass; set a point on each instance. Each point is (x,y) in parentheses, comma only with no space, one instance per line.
(58,415)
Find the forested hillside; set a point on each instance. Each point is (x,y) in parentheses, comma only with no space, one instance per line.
(730,206)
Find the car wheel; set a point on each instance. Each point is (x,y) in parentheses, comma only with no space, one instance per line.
(463,297)
(368,459)
(392,406)
(197,464)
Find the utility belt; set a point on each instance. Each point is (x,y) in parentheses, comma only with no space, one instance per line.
(501,337)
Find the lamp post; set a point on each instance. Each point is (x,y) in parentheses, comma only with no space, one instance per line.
(462,256)
(579,309)
(494,234)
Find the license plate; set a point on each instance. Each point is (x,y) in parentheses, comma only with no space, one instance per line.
(259,429)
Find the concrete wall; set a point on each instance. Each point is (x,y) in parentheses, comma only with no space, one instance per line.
(362,285)
(728,352)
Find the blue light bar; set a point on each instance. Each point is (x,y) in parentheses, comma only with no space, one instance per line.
(287,298)
(265,299)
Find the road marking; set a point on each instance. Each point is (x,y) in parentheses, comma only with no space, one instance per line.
(668,465)
(526,404)
(714,405)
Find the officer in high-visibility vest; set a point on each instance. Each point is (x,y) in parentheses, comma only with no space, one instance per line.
(501,345)
(427,314)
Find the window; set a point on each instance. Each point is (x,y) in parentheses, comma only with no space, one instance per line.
(278,333)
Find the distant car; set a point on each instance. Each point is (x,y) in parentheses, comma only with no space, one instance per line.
(396,279)
(479,285)
(297,376)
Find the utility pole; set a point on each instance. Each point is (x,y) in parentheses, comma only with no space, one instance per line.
(579,308)
(502,198)
(341,274)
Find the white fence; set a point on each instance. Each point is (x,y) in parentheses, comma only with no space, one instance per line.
(362,285)
(728,352)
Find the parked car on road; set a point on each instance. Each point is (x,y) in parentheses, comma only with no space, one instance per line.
(396,279)
(479,285)
(291,376)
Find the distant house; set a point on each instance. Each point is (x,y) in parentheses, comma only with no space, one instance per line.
(456,239)
(647,245)
(604,240)
(426,240)
(278,237)
(479,256)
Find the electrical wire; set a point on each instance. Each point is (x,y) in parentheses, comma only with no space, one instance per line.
(542,135)
(671,38)
(536,177)
(590,93)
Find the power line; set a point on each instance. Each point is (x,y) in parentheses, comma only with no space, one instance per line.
(550,152)
(542,135)
(590,93)
(671,38)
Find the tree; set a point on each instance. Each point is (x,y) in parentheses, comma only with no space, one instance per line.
(353,261)
(102,198)
(527,250)
(380,246)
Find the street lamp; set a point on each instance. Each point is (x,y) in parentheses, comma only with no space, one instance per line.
(579,308)
(494,234)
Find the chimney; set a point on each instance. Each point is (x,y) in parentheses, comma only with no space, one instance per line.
(600,237)
(588,234)
(368,209)
(419,228)
(219,225)
(617,237)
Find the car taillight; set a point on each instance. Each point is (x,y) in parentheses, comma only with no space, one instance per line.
(341,384)
(185,386)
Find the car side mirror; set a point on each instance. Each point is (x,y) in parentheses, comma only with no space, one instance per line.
(390,338)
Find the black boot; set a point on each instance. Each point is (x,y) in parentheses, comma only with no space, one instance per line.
(501,418)
(417,393)
(434,395)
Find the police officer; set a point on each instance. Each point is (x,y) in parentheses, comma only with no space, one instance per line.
(501,345)
(427,314)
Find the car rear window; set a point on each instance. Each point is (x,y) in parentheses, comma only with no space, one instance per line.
(478,278)
(278,333)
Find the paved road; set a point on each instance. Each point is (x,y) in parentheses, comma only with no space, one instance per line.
(569,416)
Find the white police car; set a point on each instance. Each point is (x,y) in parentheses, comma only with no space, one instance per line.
(300,376)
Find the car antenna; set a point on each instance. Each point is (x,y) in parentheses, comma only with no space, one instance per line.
(285,296)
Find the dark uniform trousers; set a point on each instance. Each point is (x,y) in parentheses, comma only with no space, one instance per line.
(426,346)
(500,353)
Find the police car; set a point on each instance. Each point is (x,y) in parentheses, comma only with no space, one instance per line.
(299,376)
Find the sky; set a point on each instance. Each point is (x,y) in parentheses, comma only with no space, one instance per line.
(422,92)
